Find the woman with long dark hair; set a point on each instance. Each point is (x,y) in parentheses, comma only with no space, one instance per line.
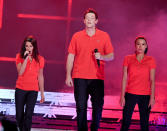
(30,80)
(138,85)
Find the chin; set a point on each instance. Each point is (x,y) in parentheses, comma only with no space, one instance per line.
(89,26)
(140,52)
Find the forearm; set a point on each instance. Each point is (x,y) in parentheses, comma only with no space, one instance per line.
(22,67)
(152,83)
(41,84)
(69,69)
(122,96)
(152,96)
(108,57)
(124,81)
(69,65)
(123,87)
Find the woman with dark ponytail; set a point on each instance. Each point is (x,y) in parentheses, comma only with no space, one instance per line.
(138,85)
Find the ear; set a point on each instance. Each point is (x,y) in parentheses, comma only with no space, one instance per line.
(96,21)
(84,21)
(146,46)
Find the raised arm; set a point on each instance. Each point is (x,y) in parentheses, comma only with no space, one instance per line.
(21,67)
(108,57)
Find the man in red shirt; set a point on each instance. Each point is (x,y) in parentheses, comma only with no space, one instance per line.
(88,51)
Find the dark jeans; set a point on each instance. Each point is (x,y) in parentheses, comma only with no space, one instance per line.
(144,110)
(28,99)
(82,89)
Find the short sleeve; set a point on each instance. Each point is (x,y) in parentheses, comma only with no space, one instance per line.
(152,63)
(108,45)
(72,46)
(18,59)
(41,62)
(125,62)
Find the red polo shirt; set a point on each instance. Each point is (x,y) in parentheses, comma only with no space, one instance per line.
(139,74)
(29,79)
(82,46)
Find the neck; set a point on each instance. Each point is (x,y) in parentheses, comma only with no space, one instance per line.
(139,56)
(90,31)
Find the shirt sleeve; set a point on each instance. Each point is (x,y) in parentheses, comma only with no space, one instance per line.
(108,45)
(18,59)
(72,46)
(125,62)
(41,62)
(152,63)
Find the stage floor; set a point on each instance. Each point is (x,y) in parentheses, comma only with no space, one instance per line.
(70,125)
(58,113)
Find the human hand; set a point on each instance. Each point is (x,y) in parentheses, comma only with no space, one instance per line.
(97,55)
(69,81)
(42,98)
(151,102)
(122,101)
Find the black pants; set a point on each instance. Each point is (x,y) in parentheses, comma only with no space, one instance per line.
(28,99)
(82,89)
(144,110)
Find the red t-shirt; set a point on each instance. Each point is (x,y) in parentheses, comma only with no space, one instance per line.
(139,74)
(29,79)
(82,46)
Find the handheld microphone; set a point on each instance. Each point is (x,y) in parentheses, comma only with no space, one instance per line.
(27,54)
(98,61)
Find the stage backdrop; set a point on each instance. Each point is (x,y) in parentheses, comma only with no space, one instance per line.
(53,22)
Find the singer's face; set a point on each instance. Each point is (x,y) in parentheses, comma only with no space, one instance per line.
(141,46)
(29,47)
(90,20)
